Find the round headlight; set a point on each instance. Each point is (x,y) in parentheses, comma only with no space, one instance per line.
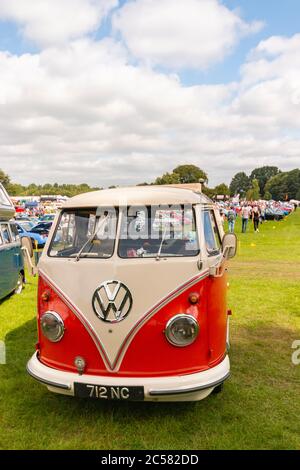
(182,330)
(52,326)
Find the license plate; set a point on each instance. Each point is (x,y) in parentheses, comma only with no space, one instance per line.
(108,392)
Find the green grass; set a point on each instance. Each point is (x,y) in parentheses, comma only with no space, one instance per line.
(259,407)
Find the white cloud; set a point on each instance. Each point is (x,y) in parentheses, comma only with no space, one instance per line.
(181,34)
(55,21)
(81,112)
(270,86)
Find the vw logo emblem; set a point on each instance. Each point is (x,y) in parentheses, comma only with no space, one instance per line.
(112,301)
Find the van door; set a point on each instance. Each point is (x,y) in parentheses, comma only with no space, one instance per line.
(18,256)
(9,268)
(3,287)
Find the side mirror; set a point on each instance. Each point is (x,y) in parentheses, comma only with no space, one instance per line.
(26,243)
(27,250)
(229,245)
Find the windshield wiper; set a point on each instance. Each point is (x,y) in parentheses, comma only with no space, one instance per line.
(161,244)
(90,239)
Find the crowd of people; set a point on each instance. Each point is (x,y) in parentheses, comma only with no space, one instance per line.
(248,212)
(253,212)
(35,209)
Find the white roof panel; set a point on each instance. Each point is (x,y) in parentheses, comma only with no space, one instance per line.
(140,196)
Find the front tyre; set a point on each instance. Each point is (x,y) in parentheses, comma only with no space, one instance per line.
(218,389)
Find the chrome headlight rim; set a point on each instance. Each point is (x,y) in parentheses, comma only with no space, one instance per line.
(60,323)
(182,316)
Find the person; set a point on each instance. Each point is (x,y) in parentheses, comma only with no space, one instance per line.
(245,217)
(255,218)
(231,216)
(262,213)
(223,217)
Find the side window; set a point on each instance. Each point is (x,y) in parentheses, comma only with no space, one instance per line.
(5,234)
(216,229)
(211,233)
(64,238)
(14,232)
(1,241)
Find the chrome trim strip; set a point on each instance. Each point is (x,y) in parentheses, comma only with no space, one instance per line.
(188,390)
(47,382)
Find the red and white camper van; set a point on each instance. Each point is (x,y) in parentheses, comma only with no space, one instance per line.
(132,296)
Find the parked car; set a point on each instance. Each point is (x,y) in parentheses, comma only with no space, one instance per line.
(12,274)
(273,213)
(47,218)
(286,208)
(42,230)
(27,225)
(37,233)
(22,218)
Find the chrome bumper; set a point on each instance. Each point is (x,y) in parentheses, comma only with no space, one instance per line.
(190,387)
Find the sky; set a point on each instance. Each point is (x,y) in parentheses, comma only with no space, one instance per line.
(118,92)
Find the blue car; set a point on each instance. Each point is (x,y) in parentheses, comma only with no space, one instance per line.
(37,233)
(47,218)
(12,275)
(274,213)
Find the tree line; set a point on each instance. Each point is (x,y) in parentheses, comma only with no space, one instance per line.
(267,182)
(70,190)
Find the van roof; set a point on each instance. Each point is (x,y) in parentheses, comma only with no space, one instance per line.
(141,195)
(7,210)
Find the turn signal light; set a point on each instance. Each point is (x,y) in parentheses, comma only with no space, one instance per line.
(45,296)
(194,298)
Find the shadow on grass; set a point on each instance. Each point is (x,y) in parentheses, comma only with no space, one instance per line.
(262,373)
(8,296)
(20,344)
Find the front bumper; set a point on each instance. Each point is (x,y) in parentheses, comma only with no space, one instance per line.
(192,387)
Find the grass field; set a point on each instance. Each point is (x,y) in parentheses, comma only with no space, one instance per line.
(259,407)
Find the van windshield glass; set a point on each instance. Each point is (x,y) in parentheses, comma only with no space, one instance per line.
(75,232)
(158,231)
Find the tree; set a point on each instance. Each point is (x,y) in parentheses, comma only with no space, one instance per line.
(263,175)
(208,192)
(4,179)
(293,182)
(15,189)
(240,184)
(190,174)
(267,196)
(253,193)
(284,185)
(168,178)
(222,190)
(183,174)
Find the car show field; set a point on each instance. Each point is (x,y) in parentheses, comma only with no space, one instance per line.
(259,407)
